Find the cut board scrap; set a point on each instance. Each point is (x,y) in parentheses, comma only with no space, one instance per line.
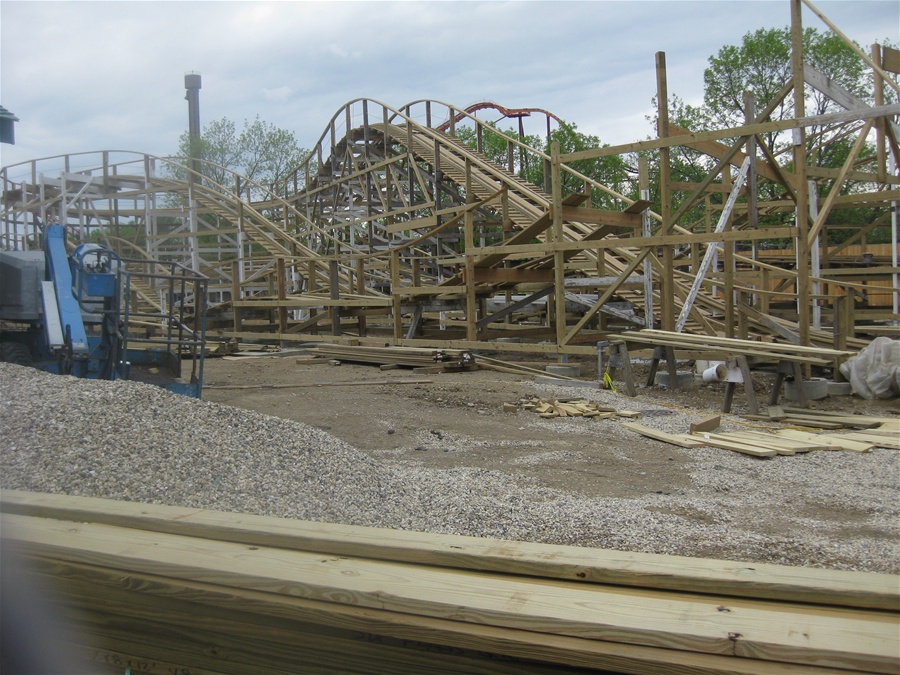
(681,440)
(832,441)
(877,422)
(798,420)
(796,444)
(553,408)
(879,440)
(735,445)
(710,423)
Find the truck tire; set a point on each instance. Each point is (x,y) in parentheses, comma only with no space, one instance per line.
(15,352)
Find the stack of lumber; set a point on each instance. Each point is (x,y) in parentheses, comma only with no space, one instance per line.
(768,351)
(879,433)
(574,407)
(825,419)
(186,590)
(411,357)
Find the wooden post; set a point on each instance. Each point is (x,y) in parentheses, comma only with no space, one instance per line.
(667,281)
(334,281)
(236,293)
(742,332)
(644,186)
(416,271)
(395,294)
(559,261)
(801,186)
(469,240)
(281,281)
(361,290)
(728,263)
(880,154)
(313,286)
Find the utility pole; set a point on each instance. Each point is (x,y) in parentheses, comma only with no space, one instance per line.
(192,84)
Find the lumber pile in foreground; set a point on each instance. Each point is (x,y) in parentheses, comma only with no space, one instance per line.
(207,592)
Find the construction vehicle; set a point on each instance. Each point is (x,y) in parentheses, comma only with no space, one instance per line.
(92,314)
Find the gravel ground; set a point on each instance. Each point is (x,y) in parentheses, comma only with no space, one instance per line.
(135,442)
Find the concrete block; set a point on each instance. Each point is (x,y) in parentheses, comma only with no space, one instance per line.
(815,389)
(567,369)
(684,379)
(839,388)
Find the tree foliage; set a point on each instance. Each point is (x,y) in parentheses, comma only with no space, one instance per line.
(762,65)
(260,151)
(613,172)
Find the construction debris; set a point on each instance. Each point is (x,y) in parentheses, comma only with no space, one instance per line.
(410,357)
(710,423)
(572,407)
(821,419)
(875,432)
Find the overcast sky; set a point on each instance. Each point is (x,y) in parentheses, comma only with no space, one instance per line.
(85,76)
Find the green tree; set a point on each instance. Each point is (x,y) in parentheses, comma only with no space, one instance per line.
(762,64)
(613,172)
(260,152)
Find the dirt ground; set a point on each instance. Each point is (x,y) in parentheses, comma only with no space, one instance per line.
(457,419)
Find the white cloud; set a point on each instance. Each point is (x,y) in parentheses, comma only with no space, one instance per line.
(96,75)
(278,94)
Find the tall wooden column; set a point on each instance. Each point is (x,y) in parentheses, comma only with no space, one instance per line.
(559,261)
(667,280)
(800,181)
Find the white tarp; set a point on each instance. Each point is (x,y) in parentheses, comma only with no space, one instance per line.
(875,371)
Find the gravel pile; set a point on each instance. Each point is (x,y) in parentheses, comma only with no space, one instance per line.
(135,442)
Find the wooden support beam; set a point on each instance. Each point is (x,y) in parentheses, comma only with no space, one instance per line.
(236,293)
(711,250)
(511,275)
(601,217)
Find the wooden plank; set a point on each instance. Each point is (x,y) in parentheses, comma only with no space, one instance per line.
(770,352)
(709,423)
(575,563)
(813,422)
(879,440)
(869,421)
(639,206)
(796,444)
(755,442)
(372,383)
(890,59)
(693,138)
(841,638)
(241,642)
(832,441)
(790,349)
(601,217)
(554,649)
(675,439)
(735,446)
(511,275)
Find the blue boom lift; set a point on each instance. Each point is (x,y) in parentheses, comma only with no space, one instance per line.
(81,314)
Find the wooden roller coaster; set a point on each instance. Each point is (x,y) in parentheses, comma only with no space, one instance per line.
(396,231)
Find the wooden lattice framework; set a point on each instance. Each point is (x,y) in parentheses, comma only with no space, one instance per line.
(395,231)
